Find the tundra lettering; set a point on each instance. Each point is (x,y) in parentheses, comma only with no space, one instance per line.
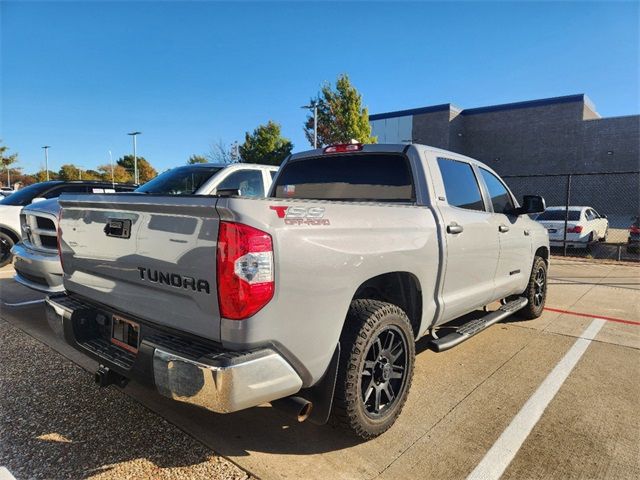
(173,280)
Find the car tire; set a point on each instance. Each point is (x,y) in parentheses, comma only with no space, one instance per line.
(377,353)
(536,291)
(6,244)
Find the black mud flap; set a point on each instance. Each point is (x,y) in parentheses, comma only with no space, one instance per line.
(321,394)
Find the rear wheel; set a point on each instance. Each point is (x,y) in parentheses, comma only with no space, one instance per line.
(6,244)
(536,291)
(376,368)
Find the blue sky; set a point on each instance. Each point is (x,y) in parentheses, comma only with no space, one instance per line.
(80,75)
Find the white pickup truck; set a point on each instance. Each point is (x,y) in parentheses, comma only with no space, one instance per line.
(311,298)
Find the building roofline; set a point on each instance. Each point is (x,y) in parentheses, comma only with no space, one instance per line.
(581,97)
(414,111)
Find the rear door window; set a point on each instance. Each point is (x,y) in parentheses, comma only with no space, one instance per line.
(460,184)
(365,177)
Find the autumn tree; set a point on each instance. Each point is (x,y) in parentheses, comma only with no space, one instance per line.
(69,171)
(341,116)
(145,171)
(265,145)
(41,176)
(120,174)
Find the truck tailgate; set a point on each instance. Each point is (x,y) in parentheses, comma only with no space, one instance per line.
(153,257)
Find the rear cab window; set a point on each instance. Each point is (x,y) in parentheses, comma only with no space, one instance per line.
(361,177)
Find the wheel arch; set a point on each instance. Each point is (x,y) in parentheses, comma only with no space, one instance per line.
(399,288)
(9,231)
(543,252)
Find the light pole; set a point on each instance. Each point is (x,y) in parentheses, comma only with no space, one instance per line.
(113,182)
(135,158)
(46,160)
(313,105)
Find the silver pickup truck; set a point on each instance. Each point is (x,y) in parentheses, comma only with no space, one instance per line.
(311,298)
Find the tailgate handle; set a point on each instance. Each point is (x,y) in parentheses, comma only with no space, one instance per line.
(118,228)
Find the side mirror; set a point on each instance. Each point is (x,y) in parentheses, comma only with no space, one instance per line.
(38,199)
(603,216)
(532,204)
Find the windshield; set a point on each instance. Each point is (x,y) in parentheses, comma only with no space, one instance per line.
(179,181)
(558,215)
(25,195)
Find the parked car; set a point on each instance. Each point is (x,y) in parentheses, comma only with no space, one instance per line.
(36,259)
(584,227)
(312,298)
(633,242)
(6,191)
(11,206)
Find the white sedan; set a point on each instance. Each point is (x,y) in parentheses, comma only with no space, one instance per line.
(584,226)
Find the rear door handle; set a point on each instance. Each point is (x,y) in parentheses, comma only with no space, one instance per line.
(454,228)
(503,228)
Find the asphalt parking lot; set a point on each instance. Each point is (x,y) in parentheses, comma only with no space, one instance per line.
(556,397)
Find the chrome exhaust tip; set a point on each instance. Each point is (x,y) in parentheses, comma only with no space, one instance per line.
(296,406)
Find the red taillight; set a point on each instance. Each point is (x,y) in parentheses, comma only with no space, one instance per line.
(634,229)
(576,229)
(245,270)
(343,147)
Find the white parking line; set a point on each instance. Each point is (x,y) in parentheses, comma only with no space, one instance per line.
(5,474)
(498,458)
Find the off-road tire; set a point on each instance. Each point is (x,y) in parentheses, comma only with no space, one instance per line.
(366,320)
(535,307)
(6,244)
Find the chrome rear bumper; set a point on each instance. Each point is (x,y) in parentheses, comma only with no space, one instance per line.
(220,381)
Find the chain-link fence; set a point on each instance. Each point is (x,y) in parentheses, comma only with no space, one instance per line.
(593,215)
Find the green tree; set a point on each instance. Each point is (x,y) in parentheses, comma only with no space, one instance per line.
(193,159)
(265,145)
(145,171)
(341,116)
(69,171)
(7,160)
(120,174)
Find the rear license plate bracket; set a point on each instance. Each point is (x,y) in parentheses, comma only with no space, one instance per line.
(125,333)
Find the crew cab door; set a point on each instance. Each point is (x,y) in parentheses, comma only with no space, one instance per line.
(516,257)
(471,254)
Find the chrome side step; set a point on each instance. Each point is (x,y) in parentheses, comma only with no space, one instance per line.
(469,329)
